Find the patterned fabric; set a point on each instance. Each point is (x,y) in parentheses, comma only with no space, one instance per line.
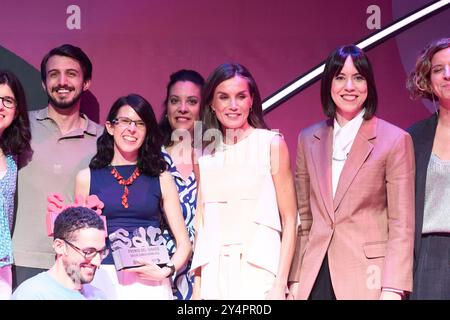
(7,192)
(187,190)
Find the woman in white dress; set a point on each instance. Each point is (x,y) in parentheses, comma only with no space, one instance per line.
(246,208)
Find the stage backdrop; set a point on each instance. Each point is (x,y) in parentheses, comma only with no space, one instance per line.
(135,45)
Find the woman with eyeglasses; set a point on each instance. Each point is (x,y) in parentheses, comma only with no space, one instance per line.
(14,139)
(129,176)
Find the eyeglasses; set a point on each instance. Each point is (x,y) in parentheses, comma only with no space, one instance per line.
(89,253)
(8,102)
(125,122)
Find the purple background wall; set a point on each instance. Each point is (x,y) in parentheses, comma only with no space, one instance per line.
(135,45)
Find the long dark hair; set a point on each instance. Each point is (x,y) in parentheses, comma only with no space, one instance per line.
(333,66)
(220,74)
(16,138)
(150,160)
(181,75)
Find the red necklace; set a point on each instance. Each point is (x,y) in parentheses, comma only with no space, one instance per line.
(136,173)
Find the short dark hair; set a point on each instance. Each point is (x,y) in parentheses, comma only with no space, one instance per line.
(16,138)
(419,80)
(72,219)
(220,74)
(68,50)
(150,159)
(333,66)
(181,75)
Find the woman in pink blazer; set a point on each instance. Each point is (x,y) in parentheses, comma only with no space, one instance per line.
(355,191)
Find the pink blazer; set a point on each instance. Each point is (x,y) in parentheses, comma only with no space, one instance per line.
(368,228)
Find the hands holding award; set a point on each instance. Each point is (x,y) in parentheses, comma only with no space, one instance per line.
(151,271)
(143,252)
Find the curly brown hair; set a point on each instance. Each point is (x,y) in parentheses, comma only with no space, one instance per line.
(418,82)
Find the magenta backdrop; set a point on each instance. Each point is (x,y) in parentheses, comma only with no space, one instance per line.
(134,46)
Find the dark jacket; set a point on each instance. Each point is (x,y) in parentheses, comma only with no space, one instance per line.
(422,134)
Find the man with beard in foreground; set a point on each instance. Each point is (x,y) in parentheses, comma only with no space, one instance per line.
(63,143)
(79,243)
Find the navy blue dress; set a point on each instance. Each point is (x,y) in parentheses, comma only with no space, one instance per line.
(144,200)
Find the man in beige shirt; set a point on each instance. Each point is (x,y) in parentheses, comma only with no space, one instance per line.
(63,142)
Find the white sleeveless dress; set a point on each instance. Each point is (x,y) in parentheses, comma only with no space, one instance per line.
(239,237)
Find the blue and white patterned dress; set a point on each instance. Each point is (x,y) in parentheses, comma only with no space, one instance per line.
(7,193)
(187,190)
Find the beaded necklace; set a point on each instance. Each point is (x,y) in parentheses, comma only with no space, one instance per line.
(136,173)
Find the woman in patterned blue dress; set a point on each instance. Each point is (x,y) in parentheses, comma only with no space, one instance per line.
(181,110)
(14,138)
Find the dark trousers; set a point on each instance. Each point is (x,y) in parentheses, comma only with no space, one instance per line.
(323,288)
(432,274)
(20,274)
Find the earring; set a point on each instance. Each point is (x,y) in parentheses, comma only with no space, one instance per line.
(212,109)
(434,104)
(430,91)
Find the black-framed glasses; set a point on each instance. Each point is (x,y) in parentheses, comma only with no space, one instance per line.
(89,253)
(8,102)
(125,122)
